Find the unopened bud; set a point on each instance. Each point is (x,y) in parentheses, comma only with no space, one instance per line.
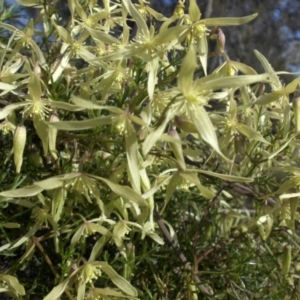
(296,108)
(52,136)
(37,69)
(179,10)
(294,202)
(221,39)
(286,260)
(185,124)
(177,148)
(19,142)
(42,131)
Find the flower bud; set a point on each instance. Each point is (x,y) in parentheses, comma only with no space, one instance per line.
(185,124)
(177,148)
(296,108)
(42,131)
(19,142)
(286,260)
(294,202)
(221,40)
(37,69)
(52,136)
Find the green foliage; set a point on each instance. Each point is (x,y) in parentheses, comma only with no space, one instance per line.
(115,139)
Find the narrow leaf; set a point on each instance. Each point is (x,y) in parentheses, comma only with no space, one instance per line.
(124,191)
(223,176)
(4,112)
(58,290)
(131,146)
(250,133)
(24,192)
(233,81)
(81,125)
(205,127)
(229,21)
(275,81)
(268,98)
(119,281)
(194,11)
(138,18)
(186,73)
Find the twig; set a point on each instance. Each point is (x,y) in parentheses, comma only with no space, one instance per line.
(49,262)
(179,252)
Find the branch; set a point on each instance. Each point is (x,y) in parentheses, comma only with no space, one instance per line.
(182,257)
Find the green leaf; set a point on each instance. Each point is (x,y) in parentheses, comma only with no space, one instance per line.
(34,87)
(78,234)
(98,246)
(7,87)
(26,237)
(171,187)
(99,228)
(21,202)
(250,133)
(11,225)
(138,18)
(205,127)
(4,112)
(124,191)
(41,59)
(193,178)
(228,21)
(41,129)
(13,283)
(111,292)
(81,290)
(119,281)
(131,146)
(102,36)
(272,97)
(275,81)
(50,183)
(202,52)
(27,191)
(58,290)
(64,35)
(155,237)
(156,187)
(186,73)
(243,68)
(283,146)
(152,67)
(66,106)
(154,136)
(232,81)
(292,86)
(90,105)
(170,34)
(265,224)
(223,176)
(29,3)
(194,11)
(289,184)
(82,125)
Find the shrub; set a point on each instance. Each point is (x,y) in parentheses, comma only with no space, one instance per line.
(121,140)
